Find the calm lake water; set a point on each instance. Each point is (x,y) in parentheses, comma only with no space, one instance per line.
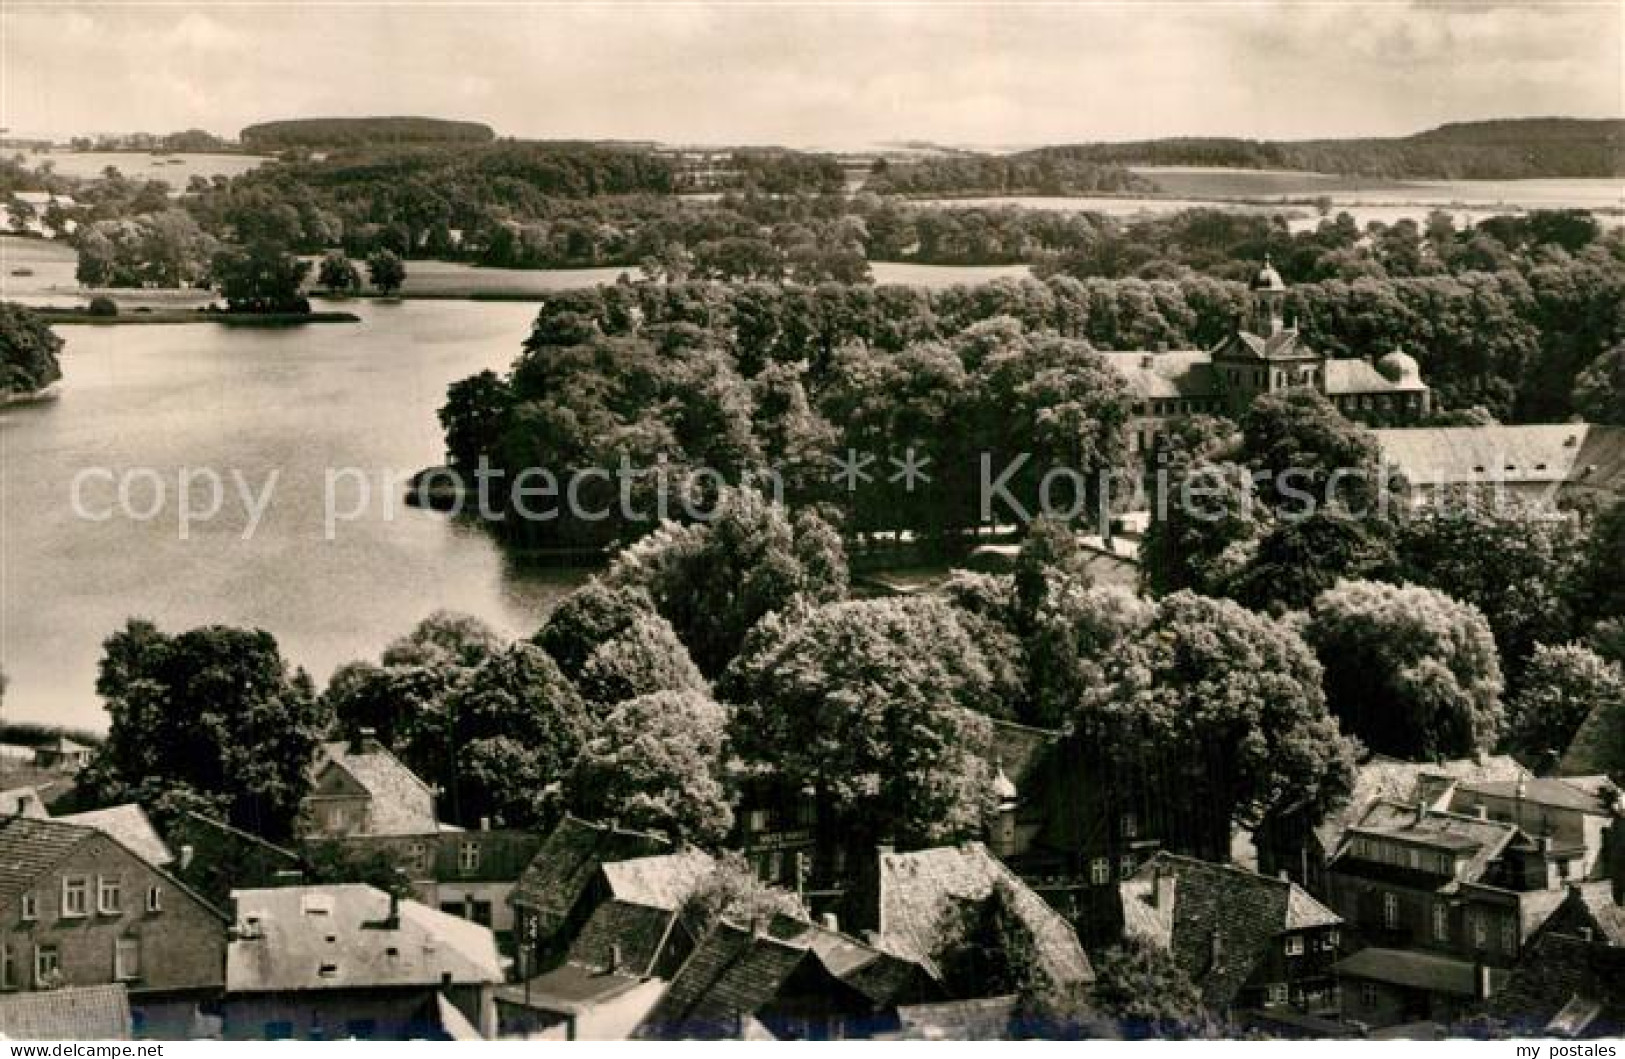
(250,401)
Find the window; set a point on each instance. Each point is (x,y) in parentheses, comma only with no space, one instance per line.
(30,907)
(75,896)
(127,959)
(1480,929)
(468,856)
(1125,866)
(1100,871)
(8,969)
(1390,911)
(417,856)
(1130,825)
(155,899)
(47,966)
(109,895)
(1509,936)
(1294,945)
(1414,857)
(757,820)
(1368,994)
(1277,993)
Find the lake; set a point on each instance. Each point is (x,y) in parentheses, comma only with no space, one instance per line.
(298,400)
(173,169)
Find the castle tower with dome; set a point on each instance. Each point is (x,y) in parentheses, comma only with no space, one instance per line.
(1265,354)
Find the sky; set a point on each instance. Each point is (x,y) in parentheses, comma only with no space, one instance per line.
(836,74)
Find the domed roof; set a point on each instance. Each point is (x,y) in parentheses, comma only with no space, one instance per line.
(1268,278)
(1399,366)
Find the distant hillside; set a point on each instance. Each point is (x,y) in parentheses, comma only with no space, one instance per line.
(332,133)
(1509,149)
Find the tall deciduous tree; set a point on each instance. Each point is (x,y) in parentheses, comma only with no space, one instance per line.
(210,716)
(337,273)
(714,580)
(655,764)
(386,271)
(643,658)
(28,351)
(1218,713)
(871,705)
(1410,671)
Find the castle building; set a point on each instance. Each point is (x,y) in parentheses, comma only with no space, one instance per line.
(1262,356)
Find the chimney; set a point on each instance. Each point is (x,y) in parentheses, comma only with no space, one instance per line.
(885,849)
(1215,948)
(1481,811)
(187,853)
(1147,360)
(364,741)
(394,920)
(24,801)
(485,823)
(1162,346)
(1545,845)
(615,957)
(1421,809)
(830,922)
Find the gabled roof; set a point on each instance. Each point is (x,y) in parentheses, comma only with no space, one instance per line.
(297,938)
(627,937)
(1412,969)
(1245,345)
(1018,748)
(92,1013)
(566,864)
(734,972)
(1221,922)
(921,891)
(1159,376)
(130,827)
(1409,782)
(663,881)
(401,803)
(30,847)
(1574,453)
(1554,792)
(1598,745)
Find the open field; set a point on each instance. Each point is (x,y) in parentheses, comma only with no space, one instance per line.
(175,169)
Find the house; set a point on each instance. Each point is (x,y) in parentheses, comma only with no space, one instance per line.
(634,935)
(1538,462)
(465,873)
(563,885)
(1247,941)
(785,979)
(77,908)
(1263,356)
(359,788)
(1448,900)
(923,906)
(90,1013)
(1303,848)
(215,858)
(63,754)
(1572,813)
(1570,982)
(322,962)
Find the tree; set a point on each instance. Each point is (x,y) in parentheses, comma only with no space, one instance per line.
(655,764)
(446,637)
(1049,553)
(1599,392)
(386,271)
(1075,635)
(338,273)
(28,351)
(476,413)
(262,278)
(733,891)
(1142,989)
(1598,592)
(590,616)
(1409,671)
(1510,559)
(1561,686)
(1217,713)
(715,580)
(212,713)
(870,705)
(512,732)
(643,658)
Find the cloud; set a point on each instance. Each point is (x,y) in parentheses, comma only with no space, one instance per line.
(841,74)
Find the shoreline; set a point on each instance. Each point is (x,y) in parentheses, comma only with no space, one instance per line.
(193,316)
